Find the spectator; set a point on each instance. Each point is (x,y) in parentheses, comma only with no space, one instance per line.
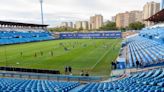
(21,53)
(70,69)
(87,74)
(137,63)
(41,53)
(82,73)
(52,53)
(114,65)
(35,54)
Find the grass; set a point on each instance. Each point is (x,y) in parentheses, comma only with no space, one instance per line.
(92,55)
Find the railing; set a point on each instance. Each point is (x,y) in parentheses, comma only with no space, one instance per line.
(82,79)
(143,70)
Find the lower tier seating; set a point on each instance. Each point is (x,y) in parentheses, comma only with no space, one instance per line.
(19,85)
(146,81)
(150,81)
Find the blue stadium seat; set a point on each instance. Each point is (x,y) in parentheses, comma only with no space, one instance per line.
(133,83)
(15,36)
(22,85)
(147,52)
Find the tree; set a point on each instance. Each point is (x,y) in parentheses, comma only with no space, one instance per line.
(136,26)
(62,29)
(123,29)
(80,29)
(109,26)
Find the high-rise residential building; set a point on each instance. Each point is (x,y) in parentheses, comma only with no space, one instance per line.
(162,4)
(89,26)
(64,24)
(96,21)
(92,22)
(138,16)
(113,19)
(120,20)
(124,19)
(85,25)
(74,26)
(149,9)
(127,19)
(70,24)
(99,21)
(78,24)
(67,24)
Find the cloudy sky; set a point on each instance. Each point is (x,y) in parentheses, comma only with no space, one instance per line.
(56,11)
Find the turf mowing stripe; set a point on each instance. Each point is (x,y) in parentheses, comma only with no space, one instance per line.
(103,68)
(80,57)
(100,59)
(103,56)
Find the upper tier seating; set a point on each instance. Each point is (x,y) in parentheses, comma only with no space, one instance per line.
(146,51)
(154,34)
(19,85)
(13,36)
(150,81)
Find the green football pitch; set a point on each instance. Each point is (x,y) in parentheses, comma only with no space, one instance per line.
(91,55)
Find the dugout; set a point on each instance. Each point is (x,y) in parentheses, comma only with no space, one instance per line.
(121,63)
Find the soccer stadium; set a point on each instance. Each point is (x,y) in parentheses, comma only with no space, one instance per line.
(34,59)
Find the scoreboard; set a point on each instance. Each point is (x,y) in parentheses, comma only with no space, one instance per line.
(80,35)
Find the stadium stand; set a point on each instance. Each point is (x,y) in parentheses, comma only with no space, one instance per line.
(147,48)
(149,81)
(144,50)
(13,37)
(12,33)
(144,81)
(19,85)
(156,34)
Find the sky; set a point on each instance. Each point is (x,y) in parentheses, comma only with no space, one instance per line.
(57,11)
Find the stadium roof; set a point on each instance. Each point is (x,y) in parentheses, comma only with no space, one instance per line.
(21,24)
(158,17)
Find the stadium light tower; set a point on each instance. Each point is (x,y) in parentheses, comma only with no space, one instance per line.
(41,8)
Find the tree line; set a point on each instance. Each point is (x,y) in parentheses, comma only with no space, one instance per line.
(109,26)
(132,26)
